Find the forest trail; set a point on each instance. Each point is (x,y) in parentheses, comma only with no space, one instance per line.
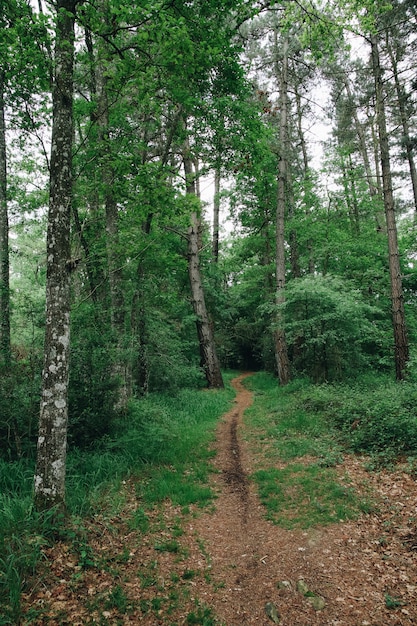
(226,565)
(249,556)
(335,576)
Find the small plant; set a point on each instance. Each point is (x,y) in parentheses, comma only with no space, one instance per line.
(139,521)
(168,546)
(118,600)
(149,577)
(392,602)
(203,616)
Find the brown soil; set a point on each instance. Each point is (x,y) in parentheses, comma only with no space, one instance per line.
(229,564)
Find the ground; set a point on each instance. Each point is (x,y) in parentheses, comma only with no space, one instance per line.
(228,565)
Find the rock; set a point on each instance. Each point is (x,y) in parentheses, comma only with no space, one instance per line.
(284,584)
(302,587)
(317,603)
(271,611)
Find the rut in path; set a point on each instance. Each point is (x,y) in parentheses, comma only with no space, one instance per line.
(235,533)
(234,474)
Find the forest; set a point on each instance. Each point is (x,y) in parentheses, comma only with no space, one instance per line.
(189,190)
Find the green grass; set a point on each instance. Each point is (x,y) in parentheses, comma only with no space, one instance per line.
(306,492)
(303,496)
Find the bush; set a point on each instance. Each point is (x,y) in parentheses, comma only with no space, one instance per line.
(383,420)
(19,402)
(92,389)
(331,332)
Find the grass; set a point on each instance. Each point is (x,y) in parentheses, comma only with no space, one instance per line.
(307,491)
(303,496)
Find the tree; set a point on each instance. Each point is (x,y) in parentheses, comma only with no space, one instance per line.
(397,297)
(5,346)
(52,438)
(281,353)
(209,360)
(404,101)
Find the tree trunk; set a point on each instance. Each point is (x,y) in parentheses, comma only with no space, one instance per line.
(373,189)
(121,368)
(5,349)
(281,351)
(209,360)
(401,99)
(49,480)
(216,213)
(397,299)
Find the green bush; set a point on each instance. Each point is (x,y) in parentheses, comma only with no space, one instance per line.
(19,402)
(380,421)
(92,389)
(332,333)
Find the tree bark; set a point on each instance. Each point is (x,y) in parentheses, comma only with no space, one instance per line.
(401,99)
(401,347)
(216,213)
(5,347)
(281,351)
(121,367)
(209,360)
(49,482)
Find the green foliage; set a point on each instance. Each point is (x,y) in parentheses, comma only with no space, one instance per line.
(92,390)
(203,615)
(374,415)
(22,536)
(381,421)
(333,333)
(19,401)
(117,599)
(392,602)
(165,428)
(296,423)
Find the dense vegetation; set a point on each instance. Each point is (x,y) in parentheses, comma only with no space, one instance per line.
(189,186)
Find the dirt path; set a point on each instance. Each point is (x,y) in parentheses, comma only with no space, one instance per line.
(256,564)
(248,555)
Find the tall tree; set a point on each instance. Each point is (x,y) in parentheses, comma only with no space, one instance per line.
(5,347)
(401,347)
(403,101)
(52,439)
(281,351)
(208,353)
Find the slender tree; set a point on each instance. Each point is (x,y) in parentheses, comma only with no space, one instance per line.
(281,351)
(52,439)
(5,346)
(403,101)
(209,360)
(397,298)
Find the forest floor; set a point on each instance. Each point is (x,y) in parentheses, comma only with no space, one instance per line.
(227,565)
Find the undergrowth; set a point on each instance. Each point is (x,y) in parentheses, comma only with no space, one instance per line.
(310,428)
(163,445)
(161,450)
